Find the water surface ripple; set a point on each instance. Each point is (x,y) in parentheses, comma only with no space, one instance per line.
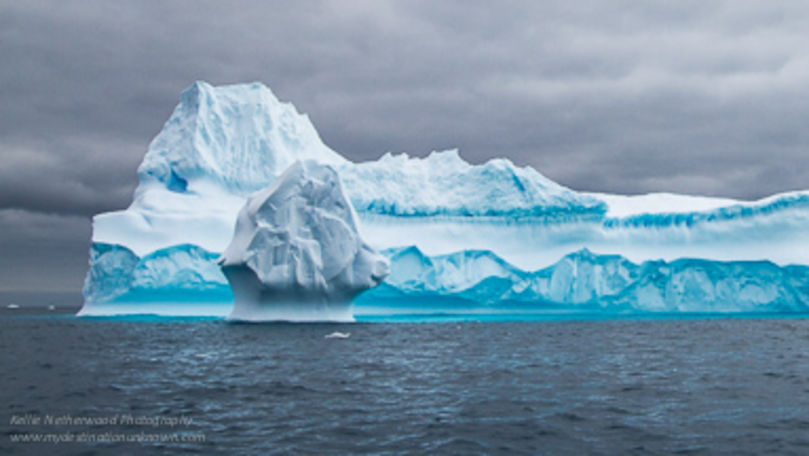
(713,386)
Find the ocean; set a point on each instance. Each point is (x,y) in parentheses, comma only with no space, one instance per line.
(452,385)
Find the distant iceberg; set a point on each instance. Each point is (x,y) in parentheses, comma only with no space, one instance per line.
(487,232)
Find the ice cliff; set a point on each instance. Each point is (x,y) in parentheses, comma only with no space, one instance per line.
(176,281)
(585,281)
(223,144)
(297,253)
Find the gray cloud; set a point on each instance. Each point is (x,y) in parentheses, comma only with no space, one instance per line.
(42,252)
(620,96)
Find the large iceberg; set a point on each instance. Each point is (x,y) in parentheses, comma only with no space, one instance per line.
(472,232)
(296,254)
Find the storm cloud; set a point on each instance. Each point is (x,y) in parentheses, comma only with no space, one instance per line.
(621,96)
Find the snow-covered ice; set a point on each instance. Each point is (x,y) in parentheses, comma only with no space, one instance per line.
(443,184)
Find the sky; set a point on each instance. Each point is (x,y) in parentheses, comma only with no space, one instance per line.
(698,97)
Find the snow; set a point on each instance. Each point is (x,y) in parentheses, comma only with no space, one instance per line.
(689,207)
(159,219)
(656,203)
(443,184)
(297,253)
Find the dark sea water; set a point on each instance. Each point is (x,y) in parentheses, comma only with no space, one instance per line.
(626,386)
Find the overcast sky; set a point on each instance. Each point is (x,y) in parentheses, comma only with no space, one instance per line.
(696,97)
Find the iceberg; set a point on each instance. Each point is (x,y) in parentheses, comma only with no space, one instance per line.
(296,254)
(492,234)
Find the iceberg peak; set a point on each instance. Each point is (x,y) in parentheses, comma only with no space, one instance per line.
(238,136)
(450,157)
(201,92)
(435,160)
